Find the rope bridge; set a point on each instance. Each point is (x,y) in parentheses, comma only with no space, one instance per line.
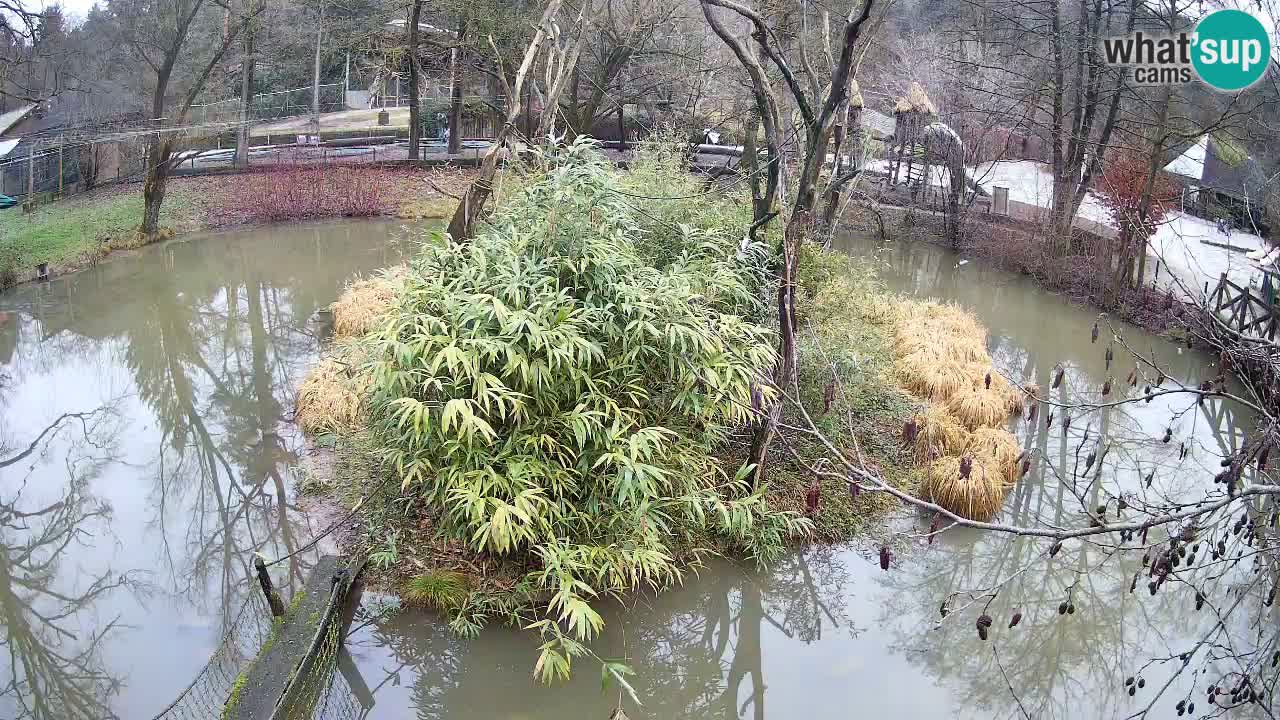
(291,666)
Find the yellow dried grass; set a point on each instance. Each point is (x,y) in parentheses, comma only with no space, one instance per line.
(998,447)
(979,407)
(933,380)
(329,398)
(938,347)
(365,302)
(938,433)
(919,101)
(1010,394)
(978,497)
(941,355)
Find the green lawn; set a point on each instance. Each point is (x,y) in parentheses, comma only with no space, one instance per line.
(71,231)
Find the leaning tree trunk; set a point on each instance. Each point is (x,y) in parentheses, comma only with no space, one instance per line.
(462,224)
(415,122)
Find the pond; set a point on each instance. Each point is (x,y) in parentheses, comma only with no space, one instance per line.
(147,455)
(147,450)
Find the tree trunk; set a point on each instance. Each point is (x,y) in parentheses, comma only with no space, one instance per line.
(462,224)
(1123,268)
(1141,277)
(247,66)
(455,99)
(784,373)
(153,186)
(415,122)
(315,91)
(955,171)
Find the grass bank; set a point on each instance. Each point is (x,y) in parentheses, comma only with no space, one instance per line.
(82,230)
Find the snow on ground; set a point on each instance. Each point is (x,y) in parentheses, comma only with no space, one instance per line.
(1186,247)
(1031,182)
(1179,244)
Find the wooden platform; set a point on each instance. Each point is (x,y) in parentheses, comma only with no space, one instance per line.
(266,689)
(1249,312)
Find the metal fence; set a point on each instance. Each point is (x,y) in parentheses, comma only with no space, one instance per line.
(271,106)
(52,167)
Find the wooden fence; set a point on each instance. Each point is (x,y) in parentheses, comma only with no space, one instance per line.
(1246,311)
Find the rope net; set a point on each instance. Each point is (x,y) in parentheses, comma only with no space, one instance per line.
(208,692)
(322,690)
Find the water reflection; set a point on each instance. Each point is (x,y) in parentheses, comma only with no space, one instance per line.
(1053,664)
(54,672)
(195,347)
(699,651)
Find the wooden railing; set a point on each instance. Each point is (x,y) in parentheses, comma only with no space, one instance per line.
(1245,311)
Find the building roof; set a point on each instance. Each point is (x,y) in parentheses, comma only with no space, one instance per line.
(1212,165)
(1190,164)
(1244,179)
(13,117)
(877,124)
(7,146)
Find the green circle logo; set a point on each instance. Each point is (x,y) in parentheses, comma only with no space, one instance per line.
(1232,49)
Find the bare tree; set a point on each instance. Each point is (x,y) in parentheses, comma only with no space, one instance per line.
(818,102)
(1050,59)
(415,80)
(1212,543)
(462,225)
(172,41)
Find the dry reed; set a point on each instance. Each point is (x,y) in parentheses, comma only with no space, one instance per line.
(977,497)
(938,433)
(996,446)
(941,356)
(329,398)
(364,304)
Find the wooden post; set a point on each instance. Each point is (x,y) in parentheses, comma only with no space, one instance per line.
(60,144)
(264,581)
(31,172)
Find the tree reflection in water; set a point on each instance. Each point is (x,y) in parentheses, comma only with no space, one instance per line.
(712,647)
(50,641)
(697,651)
(204,340)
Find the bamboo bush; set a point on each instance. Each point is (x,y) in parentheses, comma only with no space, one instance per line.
(554,395)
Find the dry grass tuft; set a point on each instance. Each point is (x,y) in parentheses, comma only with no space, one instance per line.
(941,355)
(978,497)
(979,407)
(1009,393)
(329,398)
(996,446)
(931,378)
(364,304)
(938,433)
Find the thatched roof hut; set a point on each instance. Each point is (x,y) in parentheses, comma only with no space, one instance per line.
(916,100)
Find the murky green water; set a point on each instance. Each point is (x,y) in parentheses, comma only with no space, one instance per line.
(180,365)
(147,456)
